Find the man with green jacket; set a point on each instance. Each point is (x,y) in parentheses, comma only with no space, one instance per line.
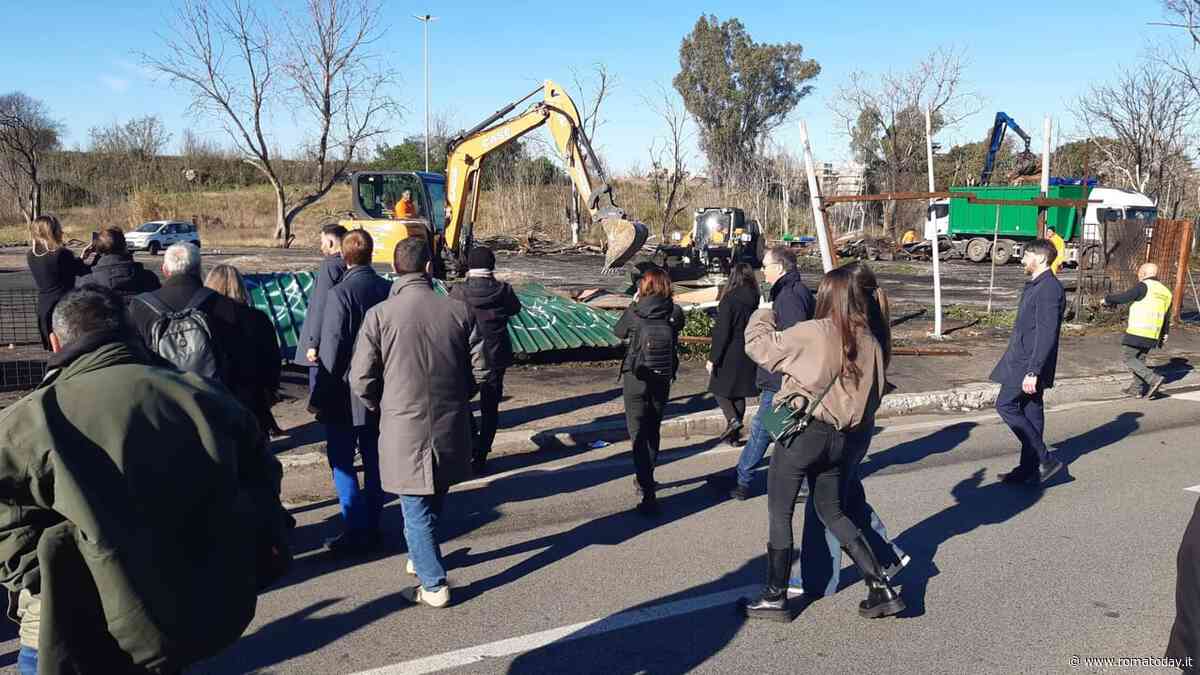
(140,508)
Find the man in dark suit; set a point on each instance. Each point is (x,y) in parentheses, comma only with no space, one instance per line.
(349,425)
(1027,368)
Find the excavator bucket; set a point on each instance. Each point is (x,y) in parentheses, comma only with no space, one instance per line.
(625,238)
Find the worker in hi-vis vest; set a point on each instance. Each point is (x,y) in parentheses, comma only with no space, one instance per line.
(1148,326)
(1060,247)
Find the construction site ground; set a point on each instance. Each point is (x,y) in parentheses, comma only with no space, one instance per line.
(573,400)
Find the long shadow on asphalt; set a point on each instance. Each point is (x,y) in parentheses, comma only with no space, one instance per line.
(1176,369)
(301,633)
(624,643)
(610,530)
(978,504)
(912,452)
(471,509)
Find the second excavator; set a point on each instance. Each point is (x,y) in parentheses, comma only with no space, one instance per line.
(395,205)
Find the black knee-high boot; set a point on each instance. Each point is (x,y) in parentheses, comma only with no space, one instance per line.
(882,600)
(773,604)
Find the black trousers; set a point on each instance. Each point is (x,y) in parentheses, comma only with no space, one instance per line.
(490,393)
(825,454)
(733,408)
(645,403)
(1025,415)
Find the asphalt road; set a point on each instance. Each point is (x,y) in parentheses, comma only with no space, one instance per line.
(553,573)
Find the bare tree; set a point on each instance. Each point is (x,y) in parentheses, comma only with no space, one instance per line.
(1141,125)
(26,133)
(884,116)
(142,138)
(668,157)
(239,69)
(590,92)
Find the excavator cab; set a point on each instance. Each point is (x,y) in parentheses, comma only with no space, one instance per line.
(374,197)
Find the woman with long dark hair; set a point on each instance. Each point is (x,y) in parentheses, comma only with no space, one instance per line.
(651,326)
(820,557)
(732,372)
(834,365)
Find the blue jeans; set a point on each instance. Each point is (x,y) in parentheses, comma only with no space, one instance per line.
(27,661)
(361,508)
(756,446)
(421,513)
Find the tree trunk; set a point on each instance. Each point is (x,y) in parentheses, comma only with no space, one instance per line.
(283,224)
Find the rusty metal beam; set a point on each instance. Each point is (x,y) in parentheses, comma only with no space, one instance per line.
(889,196)
(969,196)
(896,351)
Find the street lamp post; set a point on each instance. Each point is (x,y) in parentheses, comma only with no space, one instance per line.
(425,19)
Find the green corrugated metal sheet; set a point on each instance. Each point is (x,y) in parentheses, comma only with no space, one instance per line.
(546,322)
(1015,221)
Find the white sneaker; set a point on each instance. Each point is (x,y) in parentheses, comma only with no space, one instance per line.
(439,597)
(410,567)
(794,592)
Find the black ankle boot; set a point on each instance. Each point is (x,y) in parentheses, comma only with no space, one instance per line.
(882,600)
(773,604)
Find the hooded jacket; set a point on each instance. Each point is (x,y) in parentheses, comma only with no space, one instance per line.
(123,275)
(654,307)
(138,523)
(492,304)
(791,302)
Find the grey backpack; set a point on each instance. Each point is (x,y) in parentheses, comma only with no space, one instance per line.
(185,338)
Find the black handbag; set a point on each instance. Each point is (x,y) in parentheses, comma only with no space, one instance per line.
(783,421)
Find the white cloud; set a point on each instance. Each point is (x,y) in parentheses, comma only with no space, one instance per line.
(115,84)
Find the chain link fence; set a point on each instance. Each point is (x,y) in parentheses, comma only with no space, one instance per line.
(1111,255)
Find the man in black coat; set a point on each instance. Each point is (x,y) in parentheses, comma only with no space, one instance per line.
(333,268)
(116,269)
(1027,368)
(1184,643)
(791,302)
(349,425)
(184,284)
(492,304)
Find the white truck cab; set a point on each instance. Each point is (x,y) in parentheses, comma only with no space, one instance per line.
(1115,204)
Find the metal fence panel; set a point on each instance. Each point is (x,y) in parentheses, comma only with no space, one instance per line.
(18,317)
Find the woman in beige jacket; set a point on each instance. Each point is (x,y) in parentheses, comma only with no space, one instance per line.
(837,351)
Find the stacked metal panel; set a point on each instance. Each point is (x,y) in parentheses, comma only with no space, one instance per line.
(546,322)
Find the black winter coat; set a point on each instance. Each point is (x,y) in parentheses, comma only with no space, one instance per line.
(492,304)
(653,307)
(333,268)
(54,273)
(345,308)
(1033,345)
(791,302)
(733,372)
(1185,633)
(123,275)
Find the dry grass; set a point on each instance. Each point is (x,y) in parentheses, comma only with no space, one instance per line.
(246,216)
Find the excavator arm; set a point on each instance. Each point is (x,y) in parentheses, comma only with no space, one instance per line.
(466,153)
(996,141)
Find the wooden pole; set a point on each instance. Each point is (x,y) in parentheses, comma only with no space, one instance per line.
(1181,270)
(937,266)
(824,240)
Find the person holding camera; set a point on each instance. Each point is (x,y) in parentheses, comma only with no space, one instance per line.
(54,267)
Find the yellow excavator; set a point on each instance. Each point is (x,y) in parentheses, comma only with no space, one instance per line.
(435,206)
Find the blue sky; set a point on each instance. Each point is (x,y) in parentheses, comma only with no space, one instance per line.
(1026,58)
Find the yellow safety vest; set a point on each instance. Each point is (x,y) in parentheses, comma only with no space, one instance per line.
(1146,316)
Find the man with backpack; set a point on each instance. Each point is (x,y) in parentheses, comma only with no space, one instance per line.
(492,304)
(651,325)
(192,327)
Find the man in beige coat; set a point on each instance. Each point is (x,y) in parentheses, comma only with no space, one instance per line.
(417,360)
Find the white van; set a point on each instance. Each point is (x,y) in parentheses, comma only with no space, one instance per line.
(157,235)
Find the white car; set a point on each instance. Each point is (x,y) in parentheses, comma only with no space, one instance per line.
(157,235)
